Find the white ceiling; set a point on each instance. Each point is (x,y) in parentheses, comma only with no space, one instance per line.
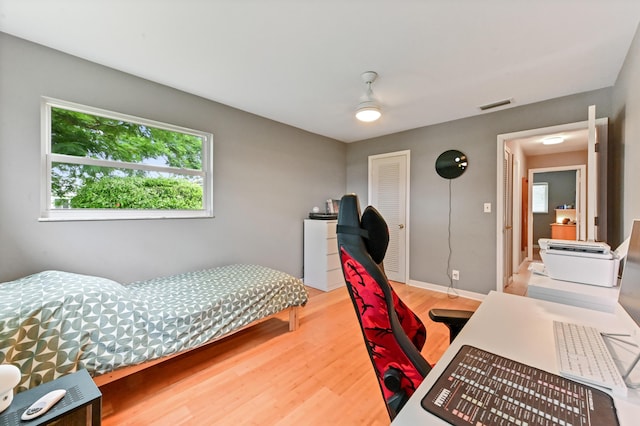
(574,140)
(299,62)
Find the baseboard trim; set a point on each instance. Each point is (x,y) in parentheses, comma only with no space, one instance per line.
(442,289)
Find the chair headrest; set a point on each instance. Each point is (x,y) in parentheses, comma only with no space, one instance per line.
(378,241)
(371,228)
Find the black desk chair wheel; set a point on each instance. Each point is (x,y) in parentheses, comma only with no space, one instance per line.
(393,334)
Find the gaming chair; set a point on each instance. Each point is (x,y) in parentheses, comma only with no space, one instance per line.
(393,334)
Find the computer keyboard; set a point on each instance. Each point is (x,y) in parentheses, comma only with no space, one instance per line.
(583,356)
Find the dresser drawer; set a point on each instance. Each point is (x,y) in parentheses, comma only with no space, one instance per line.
(332,245)
(331,229)
(335,278)
(563,232)
(333,261)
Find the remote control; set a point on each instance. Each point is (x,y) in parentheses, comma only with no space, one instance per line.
(42,405)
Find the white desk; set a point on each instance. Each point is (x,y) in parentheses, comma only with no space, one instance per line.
(584,295)
(520,328)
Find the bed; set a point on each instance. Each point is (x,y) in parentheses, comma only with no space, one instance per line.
(53,322)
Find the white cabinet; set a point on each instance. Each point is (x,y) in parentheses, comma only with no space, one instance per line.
(322,268)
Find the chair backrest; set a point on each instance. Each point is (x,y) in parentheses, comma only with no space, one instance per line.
(393,334)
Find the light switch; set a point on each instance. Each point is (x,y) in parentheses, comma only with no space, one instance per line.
(487,207)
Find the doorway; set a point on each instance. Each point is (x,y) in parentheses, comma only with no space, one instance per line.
(564,192)
(586,135)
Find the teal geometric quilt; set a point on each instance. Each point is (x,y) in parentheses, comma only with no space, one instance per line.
(53,323)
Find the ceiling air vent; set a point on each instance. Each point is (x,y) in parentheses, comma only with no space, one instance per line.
(495,104)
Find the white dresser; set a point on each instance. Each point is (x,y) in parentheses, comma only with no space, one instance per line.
(322,268)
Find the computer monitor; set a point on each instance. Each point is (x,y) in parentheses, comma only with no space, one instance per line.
(629,297)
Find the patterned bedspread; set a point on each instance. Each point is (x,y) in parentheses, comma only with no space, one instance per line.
(53,323)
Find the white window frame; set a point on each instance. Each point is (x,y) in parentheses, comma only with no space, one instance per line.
(544,187)
(47,158)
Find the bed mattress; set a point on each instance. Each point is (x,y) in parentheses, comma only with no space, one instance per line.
(53,323)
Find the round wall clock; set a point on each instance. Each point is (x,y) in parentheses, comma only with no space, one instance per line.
(451,164)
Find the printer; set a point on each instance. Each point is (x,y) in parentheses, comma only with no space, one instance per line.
(585,262)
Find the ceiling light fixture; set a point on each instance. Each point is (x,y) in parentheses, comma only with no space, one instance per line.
(553,140)
(368,109)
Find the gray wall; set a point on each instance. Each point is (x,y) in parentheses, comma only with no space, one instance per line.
(625,156)
(473,232)
(267,177)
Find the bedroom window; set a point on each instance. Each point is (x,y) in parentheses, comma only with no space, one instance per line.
(102,165)
(540,197)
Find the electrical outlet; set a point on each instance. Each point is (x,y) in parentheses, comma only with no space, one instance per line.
(455,275)
(487,207)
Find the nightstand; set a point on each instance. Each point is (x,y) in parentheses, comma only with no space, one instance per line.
(82,405)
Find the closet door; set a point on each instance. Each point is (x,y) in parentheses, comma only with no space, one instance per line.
(389,194)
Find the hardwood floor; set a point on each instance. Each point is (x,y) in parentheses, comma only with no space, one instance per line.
(265,375)
(520,283)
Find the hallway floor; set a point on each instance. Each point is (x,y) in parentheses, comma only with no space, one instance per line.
(520,280)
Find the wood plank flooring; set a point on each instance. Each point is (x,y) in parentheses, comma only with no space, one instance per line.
(519,284)
(317,375)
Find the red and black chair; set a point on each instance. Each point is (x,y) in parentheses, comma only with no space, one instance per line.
(393,334)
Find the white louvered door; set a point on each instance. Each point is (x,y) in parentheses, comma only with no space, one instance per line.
(388,192)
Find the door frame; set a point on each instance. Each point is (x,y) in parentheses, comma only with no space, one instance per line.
(581,204)
(502,140)
(407,156)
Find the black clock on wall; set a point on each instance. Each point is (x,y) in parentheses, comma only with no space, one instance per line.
(451,164)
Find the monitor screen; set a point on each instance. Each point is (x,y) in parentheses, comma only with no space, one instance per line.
(630,285)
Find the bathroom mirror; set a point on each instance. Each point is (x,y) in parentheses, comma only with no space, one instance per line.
(451,164)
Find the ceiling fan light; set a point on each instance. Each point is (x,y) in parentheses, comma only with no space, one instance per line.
(368,109)
(368,112)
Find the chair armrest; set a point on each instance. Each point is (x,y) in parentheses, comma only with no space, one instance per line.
(454,319)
